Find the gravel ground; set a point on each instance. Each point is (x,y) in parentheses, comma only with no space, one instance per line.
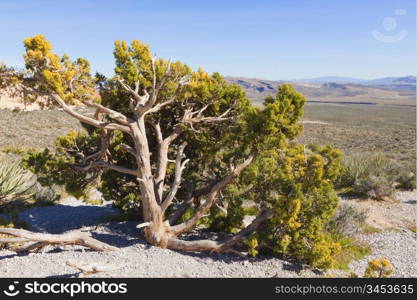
(399,248)
(396,242)
(137,259)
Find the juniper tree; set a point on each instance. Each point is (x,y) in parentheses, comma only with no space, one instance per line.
(182,145)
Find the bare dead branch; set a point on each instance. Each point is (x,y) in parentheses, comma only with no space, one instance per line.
(179,168)
(158,106)
(128,149)
(88,120)
(252,227)
(110,112)
(106,165)
(220,247)
(42,239)
(157,130)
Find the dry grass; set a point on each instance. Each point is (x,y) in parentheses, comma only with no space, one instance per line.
(352,128)
(363,128)
(34,129)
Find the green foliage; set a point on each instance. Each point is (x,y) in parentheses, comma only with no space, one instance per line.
(350,249)
(15,183)
(252,243)
(231,220)
(379,268)
(10,218)
(298,183)
(63,167)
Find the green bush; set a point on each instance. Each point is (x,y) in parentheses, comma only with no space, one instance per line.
(379,268)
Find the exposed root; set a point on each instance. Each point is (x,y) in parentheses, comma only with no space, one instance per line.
(39,240)
(220,247)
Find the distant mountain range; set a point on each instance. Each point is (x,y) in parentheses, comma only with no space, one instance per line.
(338,79)
(389,90)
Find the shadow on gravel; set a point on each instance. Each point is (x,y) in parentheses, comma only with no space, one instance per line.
(121,234)
(8,256)
(60,218)
(413,202)
(73,275)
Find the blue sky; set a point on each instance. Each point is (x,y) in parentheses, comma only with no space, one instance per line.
(281,39)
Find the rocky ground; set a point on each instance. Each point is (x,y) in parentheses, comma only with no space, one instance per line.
(137,259)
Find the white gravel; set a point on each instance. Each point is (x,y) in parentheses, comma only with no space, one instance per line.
(137,259)
(400,248)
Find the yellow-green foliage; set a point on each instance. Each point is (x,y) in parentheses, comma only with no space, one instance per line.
(58,168)
(71,80)
(14,150)
(298,183)
(252,243)
(379,268)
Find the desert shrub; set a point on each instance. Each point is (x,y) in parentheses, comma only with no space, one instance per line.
(375,187)
(16,183)
(342,228)
(407,177)
(370,174)
(293,185)
(45,195)
(379,268)
(348,220)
